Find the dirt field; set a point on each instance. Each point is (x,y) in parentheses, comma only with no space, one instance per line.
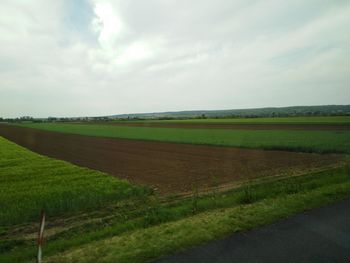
(171,168)
(301,127)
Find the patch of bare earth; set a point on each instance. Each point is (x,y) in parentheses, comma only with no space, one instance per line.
(171,168)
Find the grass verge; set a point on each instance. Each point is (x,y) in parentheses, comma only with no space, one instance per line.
(146,228)
(146,244)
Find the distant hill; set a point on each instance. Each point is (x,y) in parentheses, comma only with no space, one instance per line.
(325,110)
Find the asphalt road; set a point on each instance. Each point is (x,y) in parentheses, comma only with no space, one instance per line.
(320,235)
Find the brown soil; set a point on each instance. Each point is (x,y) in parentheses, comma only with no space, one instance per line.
(310,127)
(172,168)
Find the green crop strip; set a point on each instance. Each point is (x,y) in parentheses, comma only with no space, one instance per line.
(30,182)
(334,120)
(302,141)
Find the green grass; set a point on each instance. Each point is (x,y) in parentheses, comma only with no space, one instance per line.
(339,120)
(92,214)
(145,244)
(30,182)
(304,141)
(147,228)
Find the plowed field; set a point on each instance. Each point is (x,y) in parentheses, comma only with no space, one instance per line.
(172,168)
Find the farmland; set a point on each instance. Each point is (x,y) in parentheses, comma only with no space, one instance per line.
(291,123)
(337,141)
(148,191)
(174,131)
(141,229)
(171,168)
(322,120)
(30,183)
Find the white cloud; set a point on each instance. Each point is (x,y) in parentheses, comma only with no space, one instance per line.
(135,56)
(107,23)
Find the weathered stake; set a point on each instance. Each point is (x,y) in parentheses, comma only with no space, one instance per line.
(40,237)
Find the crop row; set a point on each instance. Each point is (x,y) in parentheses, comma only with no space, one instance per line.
(31,182)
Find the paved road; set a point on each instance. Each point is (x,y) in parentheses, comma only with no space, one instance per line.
(321,235)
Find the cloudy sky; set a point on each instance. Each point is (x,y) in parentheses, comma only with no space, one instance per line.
(90,58)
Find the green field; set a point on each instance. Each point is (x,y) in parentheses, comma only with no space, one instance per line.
(90,214)
(31,182)
(304,141)
(143,245)
(143,229)
(333,120)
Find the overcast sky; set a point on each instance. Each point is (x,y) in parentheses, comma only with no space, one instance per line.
(90,58)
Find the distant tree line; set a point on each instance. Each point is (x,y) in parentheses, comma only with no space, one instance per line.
(20,119)
(325,110)
(298,111)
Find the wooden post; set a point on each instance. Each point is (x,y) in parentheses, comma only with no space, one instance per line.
(40,237)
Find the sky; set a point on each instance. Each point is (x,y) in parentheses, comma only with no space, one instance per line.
(96,57)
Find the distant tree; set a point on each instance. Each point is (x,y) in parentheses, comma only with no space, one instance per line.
(51,119)
(26,118)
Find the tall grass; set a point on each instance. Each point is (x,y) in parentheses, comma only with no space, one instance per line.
(30,182)
(148,244)
(335,183)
